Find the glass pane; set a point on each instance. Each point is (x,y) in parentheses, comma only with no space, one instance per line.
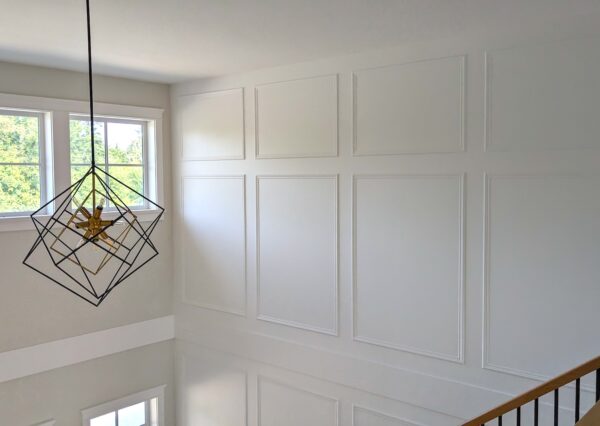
(105,420)
(19,188)
(77,172)
(132,176)
(133,416)
(79,136)
(124,143)
(19,139)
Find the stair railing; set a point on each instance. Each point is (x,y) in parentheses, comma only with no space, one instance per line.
(535,394)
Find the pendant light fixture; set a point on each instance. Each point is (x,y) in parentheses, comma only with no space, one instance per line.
(92,241)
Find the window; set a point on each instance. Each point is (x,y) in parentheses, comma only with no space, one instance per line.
(121,150)
(22,179)
(142,409)
(45,146)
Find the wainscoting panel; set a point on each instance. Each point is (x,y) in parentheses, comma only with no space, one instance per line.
(542,273)
(544,96)
(212,394)
(297,118)
(211,125)
(395,106)
(214,242)
(408,238)
(296,227)
(280,404)
(384,269)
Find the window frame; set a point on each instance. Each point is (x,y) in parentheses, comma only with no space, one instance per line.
(146,396)
(57,147)
(41,164)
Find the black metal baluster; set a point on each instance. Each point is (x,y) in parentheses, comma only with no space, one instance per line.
(500,421)
(598,385)
(577,398)
(536,412)
(556,407)
(519,416)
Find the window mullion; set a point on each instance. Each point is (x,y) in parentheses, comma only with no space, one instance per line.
(106,160)
(105,146)
(59,140)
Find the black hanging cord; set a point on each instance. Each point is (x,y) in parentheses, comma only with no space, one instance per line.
(89,39)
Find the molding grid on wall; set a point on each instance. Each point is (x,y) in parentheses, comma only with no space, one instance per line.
(263,379)
(334,114)
(459,356)
(72,350)
(241,125)
(215,307)
(461,107)
(330,331)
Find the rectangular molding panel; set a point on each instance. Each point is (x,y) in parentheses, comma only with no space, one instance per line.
(211,125)
(408,248)
(542,252)
(296,227)
(214,242)
(297,118)
(395,108)
(542,97)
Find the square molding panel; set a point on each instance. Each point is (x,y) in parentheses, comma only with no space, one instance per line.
(214,242)
(544,97)
(408,263)
(541,273)
(297,118)
(211,125)
(413,108)
(297,251)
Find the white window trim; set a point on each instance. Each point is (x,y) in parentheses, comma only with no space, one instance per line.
(56,130)
(108,407)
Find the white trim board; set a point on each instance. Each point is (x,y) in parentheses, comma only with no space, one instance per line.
(73,350)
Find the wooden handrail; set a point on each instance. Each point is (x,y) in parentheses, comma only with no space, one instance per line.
(537,392)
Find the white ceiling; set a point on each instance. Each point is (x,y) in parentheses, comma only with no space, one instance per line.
(175,40)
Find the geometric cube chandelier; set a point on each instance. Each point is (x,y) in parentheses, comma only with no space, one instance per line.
(76,246)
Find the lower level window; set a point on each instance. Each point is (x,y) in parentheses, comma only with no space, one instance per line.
(142,409)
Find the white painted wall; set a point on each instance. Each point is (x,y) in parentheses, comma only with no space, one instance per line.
(411,237)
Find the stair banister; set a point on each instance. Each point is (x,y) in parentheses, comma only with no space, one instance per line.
(534,394)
